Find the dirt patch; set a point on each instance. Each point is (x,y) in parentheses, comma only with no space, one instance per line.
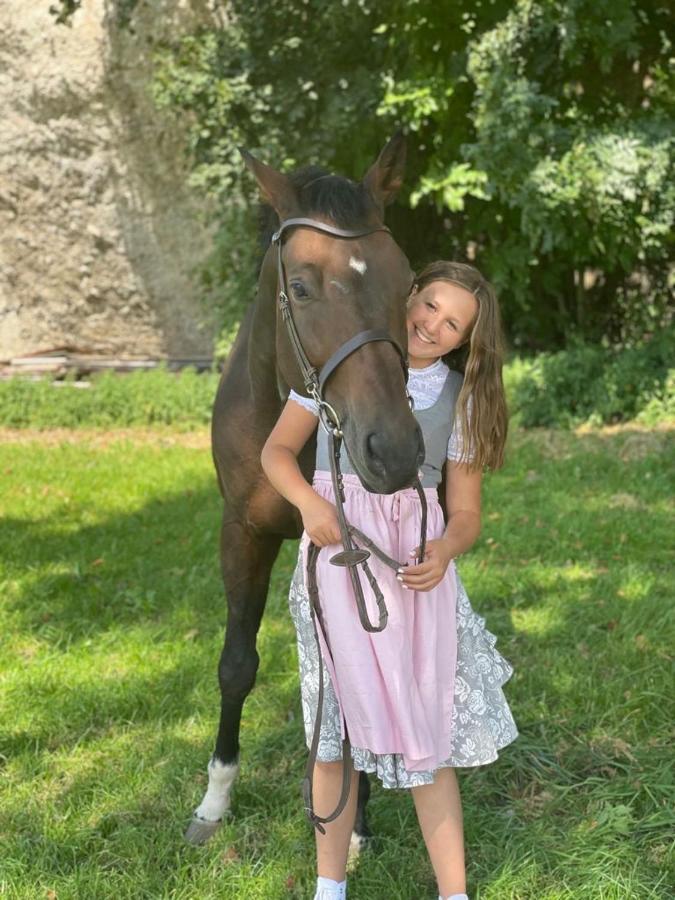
(98,437)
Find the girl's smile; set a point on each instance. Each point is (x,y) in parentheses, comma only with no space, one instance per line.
(440,318)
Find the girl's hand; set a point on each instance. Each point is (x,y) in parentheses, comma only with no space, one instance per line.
(430,571)
(320,520)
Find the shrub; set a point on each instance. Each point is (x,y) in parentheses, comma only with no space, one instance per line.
(595,384)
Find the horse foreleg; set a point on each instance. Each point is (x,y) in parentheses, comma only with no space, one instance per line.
(361,832)
(247,562)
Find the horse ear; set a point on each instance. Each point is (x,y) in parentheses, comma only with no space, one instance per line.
(275,188)
(384,178)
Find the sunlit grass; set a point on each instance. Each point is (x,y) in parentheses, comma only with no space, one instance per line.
(112,618)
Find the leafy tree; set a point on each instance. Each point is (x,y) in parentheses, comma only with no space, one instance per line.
(541,146)
(573,117)
(548,144)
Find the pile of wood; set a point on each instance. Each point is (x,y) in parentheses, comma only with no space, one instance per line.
(57,362)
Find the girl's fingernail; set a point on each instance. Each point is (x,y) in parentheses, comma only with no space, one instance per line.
(399,571)
(399,578)
(405,587)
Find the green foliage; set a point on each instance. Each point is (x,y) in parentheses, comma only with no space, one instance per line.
(595,384)
(661,406)
(541,141)
(239,89)
(122,11)
(451,188)
(64,10)
(292,98)
(227,276)
(580,153)
(139,398)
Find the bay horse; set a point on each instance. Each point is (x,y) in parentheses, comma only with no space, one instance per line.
(338,287)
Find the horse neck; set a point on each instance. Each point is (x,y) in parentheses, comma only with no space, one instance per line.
(262,345)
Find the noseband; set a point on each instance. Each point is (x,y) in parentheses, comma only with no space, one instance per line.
(352,555)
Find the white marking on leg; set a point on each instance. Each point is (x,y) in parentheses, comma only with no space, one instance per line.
(356,844)
(216,800)
(359,265)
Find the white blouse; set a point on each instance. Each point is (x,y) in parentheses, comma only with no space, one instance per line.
(424,386)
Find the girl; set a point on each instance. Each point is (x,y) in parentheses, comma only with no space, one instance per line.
(424,695)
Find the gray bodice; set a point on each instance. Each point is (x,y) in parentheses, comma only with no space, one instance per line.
(436,423)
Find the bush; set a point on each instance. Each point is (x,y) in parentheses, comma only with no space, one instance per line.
(139,398)
(595,385)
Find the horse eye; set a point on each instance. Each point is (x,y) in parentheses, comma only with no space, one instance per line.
(299,290)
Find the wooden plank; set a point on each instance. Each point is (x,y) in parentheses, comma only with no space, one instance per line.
(57,365)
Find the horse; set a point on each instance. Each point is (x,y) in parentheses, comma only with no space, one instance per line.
(338,286)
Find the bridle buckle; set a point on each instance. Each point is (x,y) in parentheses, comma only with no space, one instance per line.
(329,418)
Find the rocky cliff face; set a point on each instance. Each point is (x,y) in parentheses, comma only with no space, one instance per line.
(99,234)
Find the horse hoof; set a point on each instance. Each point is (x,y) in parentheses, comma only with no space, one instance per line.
(199,831)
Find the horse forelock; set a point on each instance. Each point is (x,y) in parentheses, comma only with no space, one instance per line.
(345,203)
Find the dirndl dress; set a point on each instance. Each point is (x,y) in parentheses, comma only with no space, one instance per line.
(424,693)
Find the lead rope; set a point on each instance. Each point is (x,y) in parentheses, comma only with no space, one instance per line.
(351,557)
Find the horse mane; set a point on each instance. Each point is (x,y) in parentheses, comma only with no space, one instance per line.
(346,203)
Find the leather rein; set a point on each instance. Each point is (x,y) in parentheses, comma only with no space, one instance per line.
(352,555)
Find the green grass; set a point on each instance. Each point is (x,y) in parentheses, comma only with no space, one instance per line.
(112,616)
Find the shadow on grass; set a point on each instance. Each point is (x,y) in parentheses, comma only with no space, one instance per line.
(129,569)
(138,599)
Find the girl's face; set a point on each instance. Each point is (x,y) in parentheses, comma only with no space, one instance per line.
(440,318)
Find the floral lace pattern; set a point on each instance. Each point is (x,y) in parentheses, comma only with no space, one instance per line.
(482,720)
(424,386)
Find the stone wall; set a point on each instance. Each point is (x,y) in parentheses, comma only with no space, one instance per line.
(100,235)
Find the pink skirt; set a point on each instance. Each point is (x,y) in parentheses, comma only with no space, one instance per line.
(394,688)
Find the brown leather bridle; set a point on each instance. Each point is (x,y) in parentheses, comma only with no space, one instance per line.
(351,556)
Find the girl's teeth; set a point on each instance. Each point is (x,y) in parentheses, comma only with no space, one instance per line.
(423,339)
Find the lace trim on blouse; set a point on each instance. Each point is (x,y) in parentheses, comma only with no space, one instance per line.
(424,386)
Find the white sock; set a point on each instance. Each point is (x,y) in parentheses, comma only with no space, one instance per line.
(454,897)
(327,889)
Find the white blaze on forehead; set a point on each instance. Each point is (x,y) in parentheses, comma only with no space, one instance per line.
(359,265)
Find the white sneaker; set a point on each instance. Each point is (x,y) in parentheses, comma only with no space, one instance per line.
(327,889)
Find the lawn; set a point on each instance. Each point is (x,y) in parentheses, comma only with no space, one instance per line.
(112,617)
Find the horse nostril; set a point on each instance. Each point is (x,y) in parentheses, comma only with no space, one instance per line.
(376,446)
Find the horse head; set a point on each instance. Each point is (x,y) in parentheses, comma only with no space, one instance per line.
(339,287)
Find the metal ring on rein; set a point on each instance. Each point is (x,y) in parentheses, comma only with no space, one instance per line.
(326,412)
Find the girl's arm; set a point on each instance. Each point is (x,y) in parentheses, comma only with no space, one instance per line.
(279,459)
(462,501)
(462,495)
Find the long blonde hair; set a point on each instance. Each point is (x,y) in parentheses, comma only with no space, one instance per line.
(479,360)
